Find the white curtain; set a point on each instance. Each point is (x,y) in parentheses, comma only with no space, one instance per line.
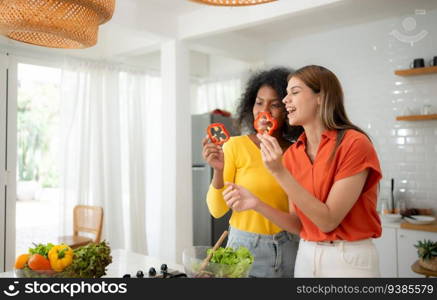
(216,94)
(104,117)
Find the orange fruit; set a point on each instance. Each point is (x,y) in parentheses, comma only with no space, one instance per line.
(39,262)
(21,261)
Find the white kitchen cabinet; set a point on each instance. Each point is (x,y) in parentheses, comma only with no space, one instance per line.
(387,250)
(397,252)
(407,253)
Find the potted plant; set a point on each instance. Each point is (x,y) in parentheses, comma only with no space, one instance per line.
(427,251)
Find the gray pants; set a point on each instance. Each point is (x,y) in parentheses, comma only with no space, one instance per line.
(275,255)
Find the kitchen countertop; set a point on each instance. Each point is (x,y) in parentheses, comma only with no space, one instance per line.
(391,225)
(387,224)
(405,225)
(427,227)
(127,262)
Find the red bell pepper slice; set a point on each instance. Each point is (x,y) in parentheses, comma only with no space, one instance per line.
(272,123)
(218,133)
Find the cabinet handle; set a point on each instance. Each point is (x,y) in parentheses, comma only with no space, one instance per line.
(401,235)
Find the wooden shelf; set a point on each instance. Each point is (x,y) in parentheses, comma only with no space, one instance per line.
(416,71)
(417,118)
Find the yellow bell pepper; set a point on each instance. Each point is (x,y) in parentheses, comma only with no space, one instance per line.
(60,257)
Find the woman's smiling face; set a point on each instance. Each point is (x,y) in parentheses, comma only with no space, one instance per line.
(301,103)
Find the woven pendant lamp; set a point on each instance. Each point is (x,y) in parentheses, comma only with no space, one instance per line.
(67,24)
(233,2)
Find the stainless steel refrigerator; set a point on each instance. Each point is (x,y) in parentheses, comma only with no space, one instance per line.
(206,229)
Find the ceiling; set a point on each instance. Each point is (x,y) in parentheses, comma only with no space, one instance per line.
(328,17)
(137,27)
(140,26)
(177,6)
(339,14)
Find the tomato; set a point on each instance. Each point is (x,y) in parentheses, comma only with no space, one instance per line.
(21,261)
(39,262)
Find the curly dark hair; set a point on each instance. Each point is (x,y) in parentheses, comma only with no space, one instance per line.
(276,78)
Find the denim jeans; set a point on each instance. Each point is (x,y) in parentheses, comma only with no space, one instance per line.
(274,255)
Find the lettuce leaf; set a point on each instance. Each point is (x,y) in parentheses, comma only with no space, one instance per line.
(237,262)
(42,249)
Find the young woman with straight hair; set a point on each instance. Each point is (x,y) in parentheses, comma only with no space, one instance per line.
(330,176)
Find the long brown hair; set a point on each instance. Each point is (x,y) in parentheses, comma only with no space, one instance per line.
(322,81)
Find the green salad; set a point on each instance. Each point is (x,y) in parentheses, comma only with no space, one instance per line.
(234,263)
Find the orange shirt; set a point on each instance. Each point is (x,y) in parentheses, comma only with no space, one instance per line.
(353,155)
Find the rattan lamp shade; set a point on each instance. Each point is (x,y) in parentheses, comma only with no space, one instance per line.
(233,2)
(54,23)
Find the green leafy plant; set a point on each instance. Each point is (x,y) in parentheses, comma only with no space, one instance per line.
(90,261)
(426,249)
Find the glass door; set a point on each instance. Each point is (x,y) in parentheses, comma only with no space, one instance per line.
(38,149)
(29,175)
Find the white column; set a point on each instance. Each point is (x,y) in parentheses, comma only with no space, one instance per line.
(176,213)
(3,176)
(11,160)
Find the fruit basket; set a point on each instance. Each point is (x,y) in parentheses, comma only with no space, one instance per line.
(60,261)
(225,262)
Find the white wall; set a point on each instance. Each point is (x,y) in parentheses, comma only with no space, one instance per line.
(364,57)
(223,66)
(199,62)
(221,79)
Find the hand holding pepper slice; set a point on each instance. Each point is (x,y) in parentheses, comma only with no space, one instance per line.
(218,133)
(271,123)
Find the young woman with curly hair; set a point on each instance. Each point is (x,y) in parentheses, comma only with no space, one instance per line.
(330,176)
(240,162)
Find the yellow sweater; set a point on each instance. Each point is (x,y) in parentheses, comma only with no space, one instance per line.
(244,166)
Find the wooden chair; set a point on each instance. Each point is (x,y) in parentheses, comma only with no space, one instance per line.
(87,219)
